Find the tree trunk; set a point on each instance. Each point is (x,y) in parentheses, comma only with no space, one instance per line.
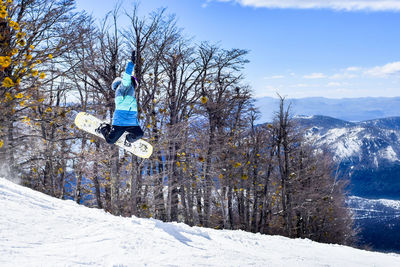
(96,181)
(174,192)
(199,207)
(115,182)
(230,209)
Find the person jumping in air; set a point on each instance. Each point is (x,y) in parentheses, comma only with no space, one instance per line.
(125,114)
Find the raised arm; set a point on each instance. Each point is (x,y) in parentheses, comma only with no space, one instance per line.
(126,79)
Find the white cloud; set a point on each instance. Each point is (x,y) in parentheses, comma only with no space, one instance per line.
(353,69)
(274,77)
(300,85)
(334,84)
(347,73)
(348,5)
(352,81)
(344,75)
(385,70)
(304,85)
(314,76)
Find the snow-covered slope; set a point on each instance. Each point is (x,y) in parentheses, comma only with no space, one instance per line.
(37,230)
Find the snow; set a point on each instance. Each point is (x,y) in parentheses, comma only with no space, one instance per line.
(38,230)
(348,144)
(389,203)
(379,212)
(303,117)
(389,154)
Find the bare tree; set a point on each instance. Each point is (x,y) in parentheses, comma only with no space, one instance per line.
(34,35)
(212,165)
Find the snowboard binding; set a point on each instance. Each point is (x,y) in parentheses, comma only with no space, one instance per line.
(127,143)
(129,139)
(103,126)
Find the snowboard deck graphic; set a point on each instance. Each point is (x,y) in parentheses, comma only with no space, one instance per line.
(90,123)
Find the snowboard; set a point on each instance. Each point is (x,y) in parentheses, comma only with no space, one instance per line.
(90,123)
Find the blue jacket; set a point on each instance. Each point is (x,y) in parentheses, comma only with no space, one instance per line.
(125,113)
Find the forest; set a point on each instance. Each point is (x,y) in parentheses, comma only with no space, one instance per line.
(212,165)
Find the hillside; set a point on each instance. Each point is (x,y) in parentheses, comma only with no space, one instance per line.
(40,230)
(378,221)
(367,153)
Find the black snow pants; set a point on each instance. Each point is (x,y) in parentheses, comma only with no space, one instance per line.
(113,133)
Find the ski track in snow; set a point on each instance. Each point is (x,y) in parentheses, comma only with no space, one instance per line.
(38,230)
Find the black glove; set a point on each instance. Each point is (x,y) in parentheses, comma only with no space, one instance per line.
(133,57)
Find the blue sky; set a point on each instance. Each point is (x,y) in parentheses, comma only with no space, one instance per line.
(298,48)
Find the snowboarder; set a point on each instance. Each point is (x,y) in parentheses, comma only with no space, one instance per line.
(125,114)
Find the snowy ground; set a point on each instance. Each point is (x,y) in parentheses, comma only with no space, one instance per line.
(37,230)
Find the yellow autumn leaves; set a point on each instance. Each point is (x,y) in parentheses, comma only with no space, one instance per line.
(14,25)
(20,97)
(3,8)
(7,82)
(14,28)
(3,12)
(237,164)
(5,61)
(203,100)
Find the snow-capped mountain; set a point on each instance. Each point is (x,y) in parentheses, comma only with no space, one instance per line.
(38,230)
(370,142)
(368,152)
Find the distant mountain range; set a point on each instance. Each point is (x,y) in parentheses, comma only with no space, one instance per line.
(367,152)
(348,109)
(363,136)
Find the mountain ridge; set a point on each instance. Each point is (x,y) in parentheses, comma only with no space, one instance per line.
(349,109)
(367,152)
